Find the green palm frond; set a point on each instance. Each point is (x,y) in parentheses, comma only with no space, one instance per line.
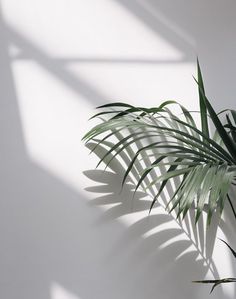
(217,282)
(205,165)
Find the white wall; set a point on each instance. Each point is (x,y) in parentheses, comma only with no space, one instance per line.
(66,231)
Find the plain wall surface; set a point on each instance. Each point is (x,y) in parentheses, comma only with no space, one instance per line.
(66,230)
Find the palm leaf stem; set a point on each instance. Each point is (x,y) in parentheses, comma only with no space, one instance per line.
(231,205)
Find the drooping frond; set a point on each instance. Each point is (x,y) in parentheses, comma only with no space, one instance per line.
(205,165)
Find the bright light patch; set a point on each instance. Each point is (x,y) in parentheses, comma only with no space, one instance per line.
(92,28)
(54,119)
(73,56)
(59,292)
(146,84)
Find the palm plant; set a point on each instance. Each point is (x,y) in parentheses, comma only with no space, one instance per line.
(204,163)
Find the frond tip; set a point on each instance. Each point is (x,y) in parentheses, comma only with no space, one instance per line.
(217,282)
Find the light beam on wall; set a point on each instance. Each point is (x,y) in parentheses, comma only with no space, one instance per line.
(59,292)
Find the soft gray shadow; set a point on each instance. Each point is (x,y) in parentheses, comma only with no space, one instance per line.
(49,234)
(58,70)
(47,231)
(160,255)
(210,25)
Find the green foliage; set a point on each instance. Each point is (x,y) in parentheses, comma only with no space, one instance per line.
(205,165)
(217,282)
(176,148)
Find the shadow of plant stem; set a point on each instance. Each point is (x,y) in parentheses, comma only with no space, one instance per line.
(196,235)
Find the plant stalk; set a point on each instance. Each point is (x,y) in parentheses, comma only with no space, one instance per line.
(232,207)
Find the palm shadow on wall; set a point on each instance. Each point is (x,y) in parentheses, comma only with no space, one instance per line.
(156,244)
(48,234)
(46,228)
(45,224)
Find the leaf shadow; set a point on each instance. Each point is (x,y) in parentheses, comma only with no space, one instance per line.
(158,245)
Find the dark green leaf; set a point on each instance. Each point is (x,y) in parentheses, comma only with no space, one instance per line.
(202,103)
